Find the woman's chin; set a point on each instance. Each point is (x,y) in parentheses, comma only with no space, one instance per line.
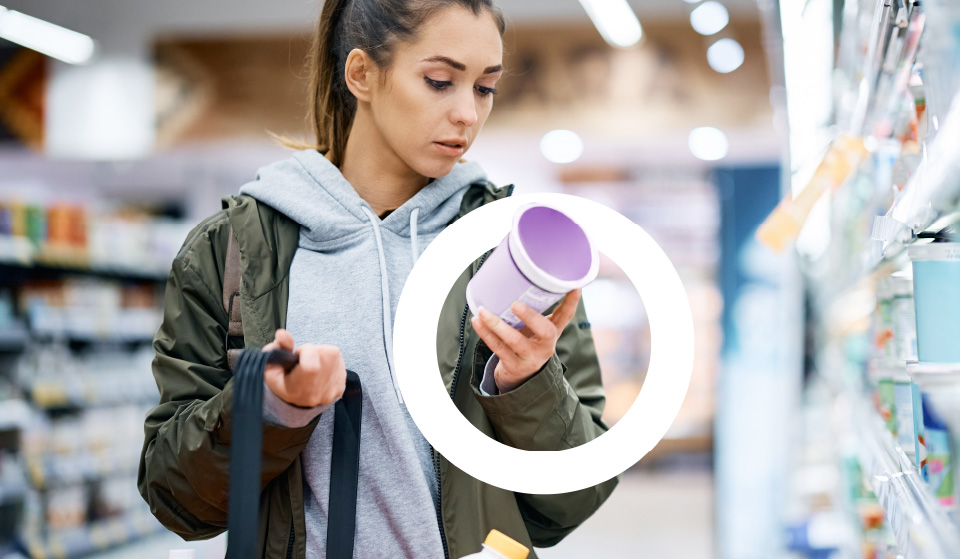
(437,168)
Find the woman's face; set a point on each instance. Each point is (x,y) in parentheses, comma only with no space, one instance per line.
(439,90)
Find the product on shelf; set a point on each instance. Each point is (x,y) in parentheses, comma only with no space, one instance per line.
(73,236)
(91,309)
(936,279)
(904,318)
(940,398)
(841,160)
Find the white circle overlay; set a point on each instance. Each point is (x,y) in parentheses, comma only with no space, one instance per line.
(543,472)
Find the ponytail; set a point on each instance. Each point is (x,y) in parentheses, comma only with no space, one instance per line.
(333,107)
(374,26)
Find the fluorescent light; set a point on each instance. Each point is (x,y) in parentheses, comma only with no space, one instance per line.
(615,20)
(725,56)
(42,36)
(708,144)
(709,18)
(561,146)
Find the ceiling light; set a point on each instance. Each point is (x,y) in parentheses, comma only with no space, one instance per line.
(615,20)
(45,37)
(725,56)
(708,144)
(561,146)
(709,18)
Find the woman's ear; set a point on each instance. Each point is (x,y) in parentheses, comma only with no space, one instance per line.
(360,73)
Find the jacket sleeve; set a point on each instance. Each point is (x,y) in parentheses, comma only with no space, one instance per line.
(184,463)
(556,409)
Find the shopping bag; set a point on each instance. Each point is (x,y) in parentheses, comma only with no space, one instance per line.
(246,446)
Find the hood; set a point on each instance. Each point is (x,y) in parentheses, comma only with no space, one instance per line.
(310,190)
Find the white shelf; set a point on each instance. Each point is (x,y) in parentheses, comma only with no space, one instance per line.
(921,526)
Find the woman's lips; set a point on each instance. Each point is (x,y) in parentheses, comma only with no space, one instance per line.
(449,150)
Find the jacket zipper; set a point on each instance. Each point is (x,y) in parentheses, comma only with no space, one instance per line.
(290,543)
(453,390)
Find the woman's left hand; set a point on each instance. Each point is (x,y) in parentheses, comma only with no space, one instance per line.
(522,353)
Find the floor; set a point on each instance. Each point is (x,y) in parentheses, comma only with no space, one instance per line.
(649,515)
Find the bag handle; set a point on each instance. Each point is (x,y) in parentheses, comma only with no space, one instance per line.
(246,448)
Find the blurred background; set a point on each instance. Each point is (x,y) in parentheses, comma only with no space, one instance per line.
(791,157)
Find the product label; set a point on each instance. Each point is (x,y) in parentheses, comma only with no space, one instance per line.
(888,406)
(937,469)
(905,328)
(535,298)
(903,401)
(884,328)
(918,448)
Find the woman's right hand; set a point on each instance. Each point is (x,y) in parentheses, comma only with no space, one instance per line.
(319,379)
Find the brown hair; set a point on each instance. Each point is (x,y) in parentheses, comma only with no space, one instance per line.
(374,26)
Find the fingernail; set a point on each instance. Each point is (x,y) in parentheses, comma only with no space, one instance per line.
(517,306)
(487,316)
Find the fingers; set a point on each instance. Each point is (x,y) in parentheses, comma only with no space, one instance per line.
(281,340)
(319,378)
(541,327)
(504,331)
(566,311)
(310,358)
(492,339)
(285,339)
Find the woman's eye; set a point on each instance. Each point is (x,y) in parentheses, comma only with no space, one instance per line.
(484,91)
(438,85)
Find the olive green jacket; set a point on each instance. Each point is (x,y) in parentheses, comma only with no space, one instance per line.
(184,462)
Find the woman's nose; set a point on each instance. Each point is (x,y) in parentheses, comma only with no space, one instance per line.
(465,110)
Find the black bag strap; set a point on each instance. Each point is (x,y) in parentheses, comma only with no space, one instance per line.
(344,472)
(246,448)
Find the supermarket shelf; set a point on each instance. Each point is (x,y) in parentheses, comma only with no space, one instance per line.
(922,528)
(932,193)
(31,270)
(97,536)
(14,414)
(59,471)
(89,391)
(91,325)
(13,338)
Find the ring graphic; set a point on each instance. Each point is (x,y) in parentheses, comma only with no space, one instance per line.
(544,472)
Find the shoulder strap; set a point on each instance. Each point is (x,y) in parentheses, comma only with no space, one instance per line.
(231,296)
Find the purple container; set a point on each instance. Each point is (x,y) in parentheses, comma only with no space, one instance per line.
(545,255)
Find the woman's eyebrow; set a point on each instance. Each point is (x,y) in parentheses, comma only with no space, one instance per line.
(460,65)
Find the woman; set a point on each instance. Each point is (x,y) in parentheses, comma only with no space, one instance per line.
(400,90)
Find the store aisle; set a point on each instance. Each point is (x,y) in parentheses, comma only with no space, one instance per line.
(650,515)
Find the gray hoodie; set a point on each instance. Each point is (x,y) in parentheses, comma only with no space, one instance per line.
(345,283)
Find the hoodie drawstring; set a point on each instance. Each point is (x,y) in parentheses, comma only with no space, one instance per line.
(385,286)
(413,234)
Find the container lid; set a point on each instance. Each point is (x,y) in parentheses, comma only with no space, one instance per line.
(505,545)
(901,285)
(926,373)
(888,369)
(536,274)
(934,252)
